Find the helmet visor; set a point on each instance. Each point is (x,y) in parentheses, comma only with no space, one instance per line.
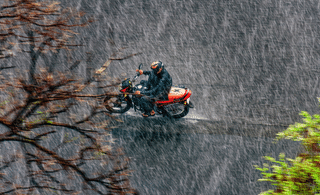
(155,68)
(154,65)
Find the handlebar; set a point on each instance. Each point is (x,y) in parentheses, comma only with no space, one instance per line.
(138,74)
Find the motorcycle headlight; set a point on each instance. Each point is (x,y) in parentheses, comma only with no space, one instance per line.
(126,83)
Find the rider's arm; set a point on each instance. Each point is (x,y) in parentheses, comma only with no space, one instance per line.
(151,91)
(146,72)
(166,80)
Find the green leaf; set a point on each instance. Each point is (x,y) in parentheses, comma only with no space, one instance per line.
(302,174)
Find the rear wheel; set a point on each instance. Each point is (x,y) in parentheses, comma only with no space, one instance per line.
(119,104)
(177,110)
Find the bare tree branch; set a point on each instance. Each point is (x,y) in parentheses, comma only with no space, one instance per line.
(55,106)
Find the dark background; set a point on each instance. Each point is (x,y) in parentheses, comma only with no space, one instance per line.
(252,66)
(244,60)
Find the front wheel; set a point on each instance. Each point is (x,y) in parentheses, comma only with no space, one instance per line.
(177,110)
(118,104)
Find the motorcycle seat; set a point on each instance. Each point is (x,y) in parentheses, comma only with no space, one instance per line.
(175,93)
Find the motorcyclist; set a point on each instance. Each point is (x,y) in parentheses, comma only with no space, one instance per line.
(158,87)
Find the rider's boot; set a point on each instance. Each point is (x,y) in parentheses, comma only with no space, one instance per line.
(152,113)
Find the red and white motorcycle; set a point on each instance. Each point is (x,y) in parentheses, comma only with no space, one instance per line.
(177,105)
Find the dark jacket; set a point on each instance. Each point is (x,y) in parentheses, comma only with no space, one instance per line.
(158,85)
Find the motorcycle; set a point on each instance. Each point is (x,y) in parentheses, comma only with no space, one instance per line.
(176,106)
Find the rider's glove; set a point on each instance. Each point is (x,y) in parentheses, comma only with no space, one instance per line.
(137,92)
(140,71)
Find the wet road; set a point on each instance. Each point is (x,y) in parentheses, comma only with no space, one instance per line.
(190,156)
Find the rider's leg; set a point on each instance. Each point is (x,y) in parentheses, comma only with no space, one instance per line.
(147,106)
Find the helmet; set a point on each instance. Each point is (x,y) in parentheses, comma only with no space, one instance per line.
(156,66)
